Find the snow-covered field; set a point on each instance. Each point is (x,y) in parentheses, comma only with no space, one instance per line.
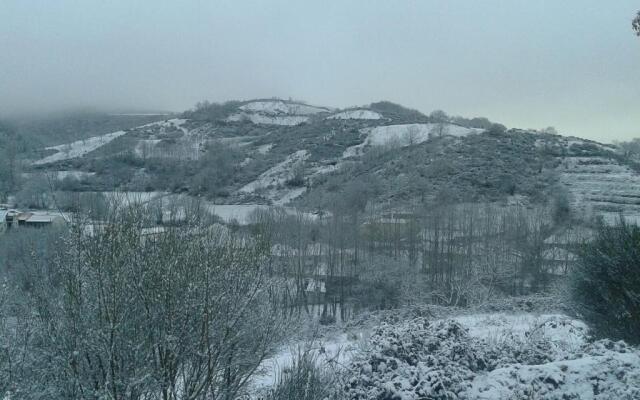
(356,114)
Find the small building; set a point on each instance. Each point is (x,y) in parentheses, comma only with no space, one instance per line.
(13,219)
(39,220)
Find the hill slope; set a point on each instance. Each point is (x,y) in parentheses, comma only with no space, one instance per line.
(275,151)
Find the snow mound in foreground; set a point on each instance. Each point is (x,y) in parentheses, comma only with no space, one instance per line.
(445,359)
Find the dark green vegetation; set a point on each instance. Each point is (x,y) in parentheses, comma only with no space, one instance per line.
(606,282)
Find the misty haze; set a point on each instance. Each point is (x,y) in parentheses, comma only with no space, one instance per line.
(320,200)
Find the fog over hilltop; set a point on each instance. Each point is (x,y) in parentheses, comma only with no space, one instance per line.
(572,64)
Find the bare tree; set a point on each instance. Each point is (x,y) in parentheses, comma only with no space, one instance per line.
(411,136)
(171,314)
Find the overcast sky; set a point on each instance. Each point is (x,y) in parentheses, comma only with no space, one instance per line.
(572,64)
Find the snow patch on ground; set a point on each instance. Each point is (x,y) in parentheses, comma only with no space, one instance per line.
(240,213)
(81,147)
(407,134)
(265,148)
(272,182)
(132,197)
(275,107)
(331,352)
(73,174)
(286,120)
(356,114)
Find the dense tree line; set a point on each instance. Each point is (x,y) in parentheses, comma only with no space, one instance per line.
(359,255)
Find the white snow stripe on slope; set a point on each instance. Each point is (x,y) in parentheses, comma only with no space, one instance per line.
(280,107)
(277,174)
(78,148)
(81,147)
(356,114)
(288,120)
(406,134)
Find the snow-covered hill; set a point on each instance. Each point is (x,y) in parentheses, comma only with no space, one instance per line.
(271,137)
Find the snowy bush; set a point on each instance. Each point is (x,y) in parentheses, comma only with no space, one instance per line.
(444,359)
